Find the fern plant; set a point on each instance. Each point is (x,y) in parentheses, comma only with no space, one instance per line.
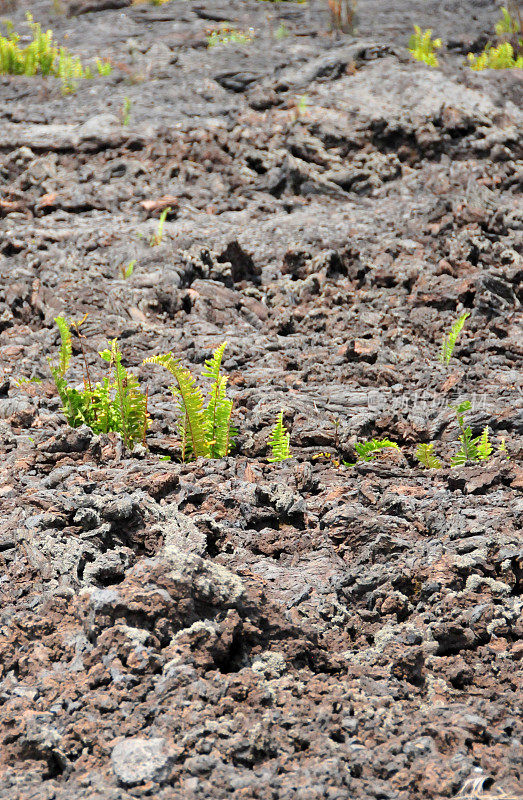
(110,405)
(426,456)
(449,340)
(471,448)
(369,451)
(204,427)
(279,441)
(423,47)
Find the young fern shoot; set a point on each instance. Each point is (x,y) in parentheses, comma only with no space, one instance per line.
(449,340)
(157,238)
(279,441)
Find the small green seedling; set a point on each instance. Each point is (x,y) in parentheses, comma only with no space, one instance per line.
(19,382)
(127,271)
(281,32)
(157,238)
(449,340)
(502,448)
(226,35)
(302,103)
(423,48)
(126,111)
(279,441)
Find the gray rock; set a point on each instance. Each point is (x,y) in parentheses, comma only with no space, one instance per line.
(138,760)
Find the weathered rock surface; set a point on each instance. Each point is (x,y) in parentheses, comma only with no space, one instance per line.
(233,628)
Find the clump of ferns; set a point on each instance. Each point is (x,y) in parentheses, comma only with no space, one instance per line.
(43,56)
(508,53)
(114,404)
(471,449)
(204,421)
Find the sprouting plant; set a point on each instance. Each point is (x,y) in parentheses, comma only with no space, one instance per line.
(127,270)
(369,451)
(449,340)
(281,31)
(227,35)
(114,404)
(302,104)
(333,458)
(126,111)
(500,57)
(502,448)
(471,448)
(342,15)
(279,441)
(422,46)
(19,382)
(157,238)
(425,455)
(204,427)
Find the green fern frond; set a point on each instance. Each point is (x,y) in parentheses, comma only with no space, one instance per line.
(279,441)
(449,340)
(217,415)
(190,401)
(213,365)
(66,348)
(426,456)
(484,447)
(130,404)
(368,451)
